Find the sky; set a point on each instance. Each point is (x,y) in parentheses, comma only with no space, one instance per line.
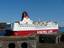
(38,10)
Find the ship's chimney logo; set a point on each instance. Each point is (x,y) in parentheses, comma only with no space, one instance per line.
(25,18)
(24,15)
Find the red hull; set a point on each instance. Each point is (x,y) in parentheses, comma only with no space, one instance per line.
(30,32)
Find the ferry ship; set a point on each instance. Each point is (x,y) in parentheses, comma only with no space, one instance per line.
(27,27)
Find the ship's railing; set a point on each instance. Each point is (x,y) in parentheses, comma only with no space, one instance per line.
(32,25)
(41,24)
(45,23)
(36,24)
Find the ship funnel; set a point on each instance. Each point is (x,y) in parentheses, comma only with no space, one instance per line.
(25,18)
(24,15)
